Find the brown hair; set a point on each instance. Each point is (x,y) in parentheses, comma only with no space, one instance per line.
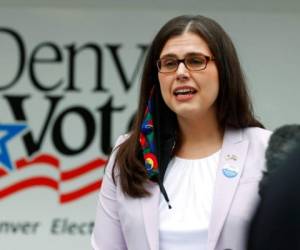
(234,108)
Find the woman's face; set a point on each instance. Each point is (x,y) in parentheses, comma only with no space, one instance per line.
(190,94)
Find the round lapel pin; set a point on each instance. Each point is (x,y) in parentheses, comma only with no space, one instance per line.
(229,171)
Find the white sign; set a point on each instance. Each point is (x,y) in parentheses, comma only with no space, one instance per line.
(68,87)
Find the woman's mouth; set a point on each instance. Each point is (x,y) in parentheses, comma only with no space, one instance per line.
(184,93)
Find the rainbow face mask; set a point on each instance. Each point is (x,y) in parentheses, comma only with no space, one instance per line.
(147,141)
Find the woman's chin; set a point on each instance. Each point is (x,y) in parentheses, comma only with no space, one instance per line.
(188,113)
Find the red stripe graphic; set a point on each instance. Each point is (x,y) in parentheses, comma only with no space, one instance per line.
(71,174)
(2,172)
(71,196)
(42,181)
(43,158)
(31,182)
(40,159)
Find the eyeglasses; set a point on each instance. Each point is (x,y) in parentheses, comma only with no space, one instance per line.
(193,62)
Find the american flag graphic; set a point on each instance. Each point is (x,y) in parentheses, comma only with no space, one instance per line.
(45,171)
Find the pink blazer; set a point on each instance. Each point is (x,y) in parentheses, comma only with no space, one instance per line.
(123,222)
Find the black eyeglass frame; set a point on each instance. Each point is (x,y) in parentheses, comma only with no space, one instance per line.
(207,59)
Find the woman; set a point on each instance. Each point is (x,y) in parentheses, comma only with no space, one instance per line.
(186,176)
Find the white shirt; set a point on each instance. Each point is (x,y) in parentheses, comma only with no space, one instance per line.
(189,184)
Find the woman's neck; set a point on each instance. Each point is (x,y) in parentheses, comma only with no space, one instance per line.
(198,138)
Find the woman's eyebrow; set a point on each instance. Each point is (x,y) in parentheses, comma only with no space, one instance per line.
(187,54)
(169,55)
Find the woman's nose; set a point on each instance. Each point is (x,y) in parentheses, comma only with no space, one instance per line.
(182,73)
(181,67)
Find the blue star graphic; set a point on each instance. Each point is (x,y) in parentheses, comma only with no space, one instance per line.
(10,131)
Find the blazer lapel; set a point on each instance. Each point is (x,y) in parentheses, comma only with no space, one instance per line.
(150,208)
(231,164)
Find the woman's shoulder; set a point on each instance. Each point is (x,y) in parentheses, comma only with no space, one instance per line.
(122,138)
(258,137)
(112,158)
(249,132)
(257,134)
(256,131)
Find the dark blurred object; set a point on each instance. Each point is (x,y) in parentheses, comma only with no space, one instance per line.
(282,142)
(276,223)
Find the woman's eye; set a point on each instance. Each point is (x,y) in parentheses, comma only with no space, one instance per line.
(196,61)
(169,63)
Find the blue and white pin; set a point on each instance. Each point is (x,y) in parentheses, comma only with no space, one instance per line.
(230,170)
